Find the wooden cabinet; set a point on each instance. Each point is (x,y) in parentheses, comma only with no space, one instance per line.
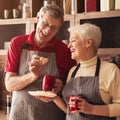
(108,22)
(9,4)
(13,4)
(10,28)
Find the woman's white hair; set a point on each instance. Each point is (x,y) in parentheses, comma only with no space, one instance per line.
(88,31)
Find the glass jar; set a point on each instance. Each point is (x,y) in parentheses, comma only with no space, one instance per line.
(26,11)
(8,104)
(49,2)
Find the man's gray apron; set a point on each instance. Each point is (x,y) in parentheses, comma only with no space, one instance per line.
(88,88)
(27,107)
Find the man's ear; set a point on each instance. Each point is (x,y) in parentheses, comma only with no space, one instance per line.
(89,43)
(37,17)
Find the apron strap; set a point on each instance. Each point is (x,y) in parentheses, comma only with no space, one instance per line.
(76,69)
(97,67)
(96,72)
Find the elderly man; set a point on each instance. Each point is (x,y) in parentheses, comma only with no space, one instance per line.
(24,70)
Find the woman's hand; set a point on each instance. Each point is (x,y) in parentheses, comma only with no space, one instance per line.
(45,99)
(87,108)
(82,105)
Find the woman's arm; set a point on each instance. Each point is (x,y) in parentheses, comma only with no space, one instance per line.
(60,103)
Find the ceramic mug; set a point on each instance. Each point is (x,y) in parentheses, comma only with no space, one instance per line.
(7,14)
(48,82)
(75,106)
(16,13)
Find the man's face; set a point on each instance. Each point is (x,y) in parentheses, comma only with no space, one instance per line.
(46,28)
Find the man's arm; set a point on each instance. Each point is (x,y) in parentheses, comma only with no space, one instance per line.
(15,82)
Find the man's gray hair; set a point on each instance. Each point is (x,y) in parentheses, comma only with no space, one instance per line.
(54,11)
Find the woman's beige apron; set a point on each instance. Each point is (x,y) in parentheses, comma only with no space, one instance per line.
(88,88)
(27,107)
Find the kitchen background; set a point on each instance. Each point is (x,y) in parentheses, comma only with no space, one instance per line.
(104,14)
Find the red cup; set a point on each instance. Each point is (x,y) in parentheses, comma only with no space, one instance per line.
(48,82)
(75,107)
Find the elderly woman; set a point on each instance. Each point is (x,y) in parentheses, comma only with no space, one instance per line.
(93,83)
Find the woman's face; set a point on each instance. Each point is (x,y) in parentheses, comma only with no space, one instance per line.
(77,47)
(46,28)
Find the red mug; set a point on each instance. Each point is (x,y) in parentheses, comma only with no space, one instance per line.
(48,82)
(75,107)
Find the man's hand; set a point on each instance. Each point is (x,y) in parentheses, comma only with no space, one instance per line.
(57,86)
(35,66)
(45,99)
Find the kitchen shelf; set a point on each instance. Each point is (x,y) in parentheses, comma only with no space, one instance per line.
(94,15)
(108,21)
(10,28)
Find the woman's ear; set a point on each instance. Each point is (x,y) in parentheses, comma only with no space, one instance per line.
(89,43)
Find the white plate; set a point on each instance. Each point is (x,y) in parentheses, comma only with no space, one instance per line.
(42,93)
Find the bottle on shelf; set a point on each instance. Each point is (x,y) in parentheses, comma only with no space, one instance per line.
(26,10)
(73,6)
(49,2)
(8,104)
(67,6)
(20,6)
(45,2)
